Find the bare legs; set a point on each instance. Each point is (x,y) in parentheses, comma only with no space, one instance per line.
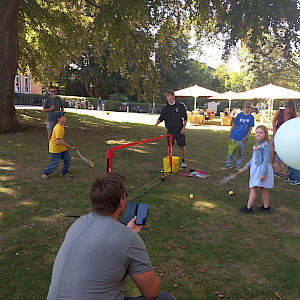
(252,197)
(182,152)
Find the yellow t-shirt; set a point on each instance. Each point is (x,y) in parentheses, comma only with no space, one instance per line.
(57,133)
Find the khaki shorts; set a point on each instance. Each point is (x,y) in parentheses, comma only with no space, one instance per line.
(50,125)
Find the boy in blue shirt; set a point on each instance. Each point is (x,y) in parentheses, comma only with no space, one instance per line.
(239,133)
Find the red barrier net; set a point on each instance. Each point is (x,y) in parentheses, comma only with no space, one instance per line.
(110,152)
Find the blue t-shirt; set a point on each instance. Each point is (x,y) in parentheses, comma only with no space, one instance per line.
(242,124)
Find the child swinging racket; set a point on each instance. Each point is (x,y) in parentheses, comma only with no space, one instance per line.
(87,161)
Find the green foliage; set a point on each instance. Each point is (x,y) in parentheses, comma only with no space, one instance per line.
(119,39)
(118,97)
(50,34)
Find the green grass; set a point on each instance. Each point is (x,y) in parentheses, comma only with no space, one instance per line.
(199,247)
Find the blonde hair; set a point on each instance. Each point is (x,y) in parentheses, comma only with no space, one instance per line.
(265,129)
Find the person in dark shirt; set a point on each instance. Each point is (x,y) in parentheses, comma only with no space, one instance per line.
(175,117)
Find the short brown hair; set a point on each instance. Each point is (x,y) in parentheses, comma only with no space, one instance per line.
(170,92)
(106,191)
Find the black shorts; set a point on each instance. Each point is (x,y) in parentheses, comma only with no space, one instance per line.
(179,137)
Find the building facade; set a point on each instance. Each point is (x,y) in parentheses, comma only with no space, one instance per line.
(25,85)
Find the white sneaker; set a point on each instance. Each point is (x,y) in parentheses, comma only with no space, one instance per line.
(183,165)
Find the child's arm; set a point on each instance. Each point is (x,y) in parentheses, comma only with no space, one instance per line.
(229,135)
(245,139)
(266,157)
(247,166)
(62,142)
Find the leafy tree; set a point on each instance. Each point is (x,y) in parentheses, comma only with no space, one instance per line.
(52,32)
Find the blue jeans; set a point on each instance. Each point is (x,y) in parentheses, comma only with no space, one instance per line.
(293,174)
(161,296)
(239,156)
(56,157)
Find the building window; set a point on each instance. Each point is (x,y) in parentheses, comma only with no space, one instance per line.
(17,84)
(26,84)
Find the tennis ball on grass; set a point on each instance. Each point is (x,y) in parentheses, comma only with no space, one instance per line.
(231,193)
(191,196)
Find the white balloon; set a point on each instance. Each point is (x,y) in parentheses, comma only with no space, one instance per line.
(287,143)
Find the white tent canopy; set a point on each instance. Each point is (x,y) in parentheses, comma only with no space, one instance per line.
(271,92)
(195,91)
(230,95)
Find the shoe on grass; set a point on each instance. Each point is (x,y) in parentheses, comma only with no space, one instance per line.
(67,175)
(263,209)
(287,179)
(226,167)
(295,182)
(183,165)
(45,176)
(277,175)
(245,210)
(239,169)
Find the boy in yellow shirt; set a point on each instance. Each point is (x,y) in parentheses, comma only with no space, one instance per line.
(58,148)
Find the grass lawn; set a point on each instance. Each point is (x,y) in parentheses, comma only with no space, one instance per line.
(201,248)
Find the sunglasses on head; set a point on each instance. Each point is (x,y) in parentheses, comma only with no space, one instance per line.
(52,91)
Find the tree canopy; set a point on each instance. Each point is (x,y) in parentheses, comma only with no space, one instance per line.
(52,33)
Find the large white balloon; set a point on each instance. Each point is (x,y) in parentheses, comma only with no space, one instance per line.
(287,143)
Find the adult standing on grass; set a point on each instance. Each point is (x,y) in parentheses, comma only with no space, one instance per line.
(98,252)
(57,148)
(52,104)
(281,116)
(239,134)
(175,117)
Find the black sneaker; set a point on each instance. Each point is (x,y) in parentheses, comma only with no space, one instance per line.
(245,210)
(263,209)
(227,167)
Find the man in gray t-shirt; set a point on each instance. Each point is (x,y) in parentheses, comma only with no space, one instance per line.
(98,252)
(52,105)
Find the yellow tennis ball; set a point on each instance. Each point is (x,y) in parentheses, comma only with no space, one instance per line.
(230,193)
(191,196)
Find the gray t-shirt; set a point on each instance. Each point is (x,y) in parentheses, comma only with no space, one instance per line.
(57,104)
(94,259)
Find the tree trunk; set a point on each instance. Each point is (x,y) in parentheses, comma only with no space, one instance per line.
(9,13)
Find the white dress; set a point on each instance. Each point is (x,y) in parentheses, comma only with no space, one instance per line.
(255,172)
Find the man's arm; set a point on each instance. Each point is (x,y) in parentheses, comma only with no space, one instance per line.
(183,128)
(148,283)
(157,122)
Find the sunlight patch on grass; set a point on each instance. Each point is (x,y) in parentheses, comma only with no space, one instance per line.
(26,117)
(201,204)
(6,178)
(25,203)
(6,162)
(7,191)
(7,168)
(118,142)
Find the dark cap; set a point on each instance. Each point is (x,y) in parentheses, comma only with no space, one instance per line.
(58,114)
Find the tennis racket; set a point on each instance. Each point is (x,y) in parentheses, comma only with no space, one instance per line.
(85,159)
(230,177)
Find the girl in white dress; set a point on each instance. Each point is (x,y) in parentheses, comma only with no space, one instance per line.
(261,171)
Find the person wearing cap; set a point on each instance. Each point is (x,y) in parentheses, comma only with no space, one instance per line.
(52,104)
(99,252)
(58,148)
(239,134)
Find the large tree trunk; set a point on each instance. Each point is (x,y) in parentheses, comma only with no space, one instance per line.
(9,12)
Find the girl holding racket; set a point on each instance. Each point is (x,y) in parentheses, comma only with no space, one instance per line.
(261,172)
